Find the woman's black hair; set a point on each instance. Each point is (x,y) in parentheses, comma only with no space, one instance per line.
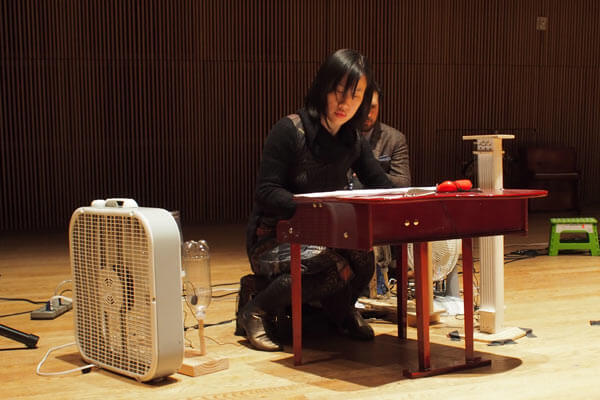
(339,64)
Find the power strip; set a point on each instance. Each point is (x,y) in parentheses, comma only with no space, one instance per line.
(51,311)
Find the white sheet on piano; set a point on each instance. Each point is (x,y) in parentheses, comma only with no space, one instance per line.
(396,192)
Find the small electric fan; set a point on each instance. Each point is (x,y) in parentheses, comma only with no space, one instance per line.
(126,266)
(444,256)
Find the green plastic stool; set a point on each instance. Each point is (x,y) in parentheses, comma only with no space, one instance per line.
(573,225)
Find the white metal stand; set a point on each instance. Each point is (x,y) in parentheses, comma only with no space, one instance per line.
(491,248)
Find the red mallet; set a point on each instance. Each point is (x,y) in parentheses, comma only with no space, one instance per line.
(463,185)
(446,186)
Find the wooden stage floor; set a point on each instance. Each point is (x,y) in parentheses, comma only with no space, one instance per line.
(556,297)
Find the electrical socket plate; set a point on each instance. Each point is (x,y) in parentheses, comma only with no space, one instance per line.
(43,313)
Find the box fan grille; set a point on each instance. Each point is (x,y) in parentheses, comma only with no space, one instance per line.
(111,267)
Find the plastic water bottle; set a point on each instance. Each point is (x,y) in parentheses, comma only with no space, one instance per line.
(196,282)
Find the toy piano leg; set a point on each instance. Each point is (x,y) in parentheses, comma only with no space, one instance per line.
(296,302)
(470,360)
(402,292)
(420,257)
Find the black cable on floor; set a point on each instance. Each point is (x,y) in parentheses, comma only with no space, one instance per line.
(207,325)
(226,284)
(224,295)
(21,299)
(17,313)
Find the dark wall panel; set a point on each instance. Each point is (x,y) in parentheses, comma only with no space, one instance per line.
(169,102)
(572,31)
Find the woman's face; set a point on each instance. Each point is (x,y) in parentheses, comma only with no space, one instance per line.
(341,106)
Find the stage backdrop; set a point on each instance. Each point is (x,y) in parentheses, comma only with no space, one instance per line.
(169,102)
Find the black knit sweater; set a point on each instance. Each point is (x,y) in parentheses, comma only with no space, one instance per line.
(316,161)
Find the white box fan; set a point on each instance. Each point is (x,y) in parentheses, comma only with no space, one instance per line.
(126,266)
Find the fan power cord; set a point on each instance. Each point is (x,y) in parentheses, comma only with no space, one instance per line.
(38,371)
(60,285)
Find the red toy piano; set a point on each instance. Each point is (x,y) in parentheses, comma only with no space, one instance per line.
(366,218)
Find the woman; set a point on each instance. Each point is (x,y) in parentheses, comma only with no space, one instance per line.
(311,151)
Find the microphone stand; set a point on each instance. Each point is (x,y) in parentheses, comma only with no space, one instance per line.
(28,339)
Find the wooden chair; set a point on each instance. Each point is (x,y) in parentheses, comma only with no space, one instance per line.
(555,170)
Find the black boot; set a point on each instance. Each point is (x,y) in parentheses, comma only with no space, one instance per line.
(255,318)
(363,266)
(250,286)
(251,320)
(356,327)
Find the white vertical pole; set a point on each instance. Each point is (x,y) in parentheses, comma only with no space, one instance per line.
(491,248)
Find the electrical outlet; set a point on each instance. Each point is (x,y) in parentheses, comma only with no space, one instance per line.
(47,312)
(541,23)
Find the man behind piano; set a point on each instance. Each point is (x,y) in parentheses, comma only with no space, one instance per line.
(388,144)
(391,150)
